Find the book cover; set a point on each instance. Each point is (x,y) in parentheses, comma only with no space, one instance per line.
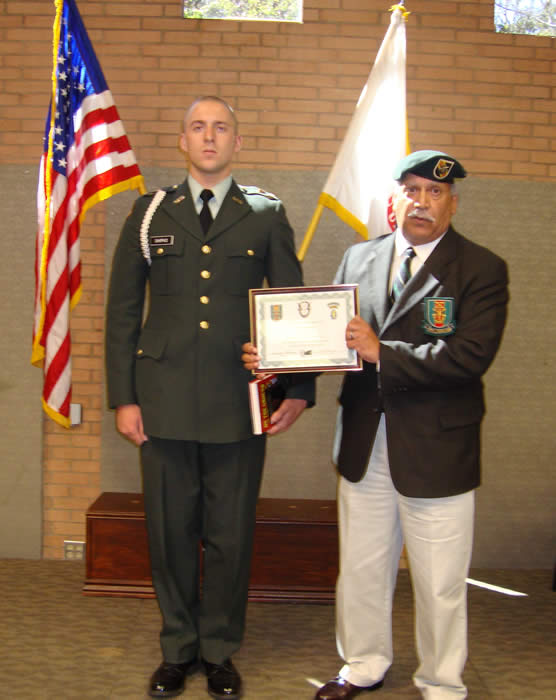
(265,395)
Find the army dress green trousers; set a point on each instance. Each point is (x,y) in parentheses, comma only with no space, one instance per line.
(201,496)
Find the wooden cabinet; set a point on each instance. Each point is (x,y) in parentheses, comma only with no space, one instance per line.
(295,553)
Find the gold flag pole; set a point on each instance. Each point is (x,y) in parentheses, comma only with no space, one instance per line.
(310,233)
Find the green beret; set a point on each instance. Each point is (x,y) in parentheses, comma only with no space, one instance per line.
(434,165)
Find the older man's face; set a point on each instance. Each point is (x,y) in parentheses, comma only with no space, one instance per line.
(423,208)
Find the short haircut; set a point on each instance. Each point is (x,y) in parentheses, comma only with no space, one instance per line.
(211,98)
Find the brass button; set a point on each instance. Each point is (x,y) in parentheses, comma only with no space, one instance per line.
(250,252)
(204,324)
(204,300)
(159,251)
(139,352)
(206,249)
(205,274)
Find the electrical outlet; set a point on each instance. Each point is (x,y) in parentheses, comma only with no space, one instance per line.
(74,550)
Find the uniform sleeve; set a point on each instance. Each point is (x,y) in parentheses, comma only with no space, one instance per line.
(284,270)
(124,312)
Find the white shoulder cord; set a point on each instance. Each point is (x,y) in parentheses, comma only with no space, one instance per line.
(146,223)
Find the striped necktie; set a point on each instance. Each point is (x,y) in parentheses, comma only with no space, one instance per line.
(404,273)
(205,216)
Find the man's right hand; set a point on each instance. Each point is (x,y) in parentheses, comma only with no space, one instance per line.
(129,423)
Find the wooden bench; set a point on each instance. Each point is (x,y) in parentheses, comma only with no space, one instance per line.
(295,554)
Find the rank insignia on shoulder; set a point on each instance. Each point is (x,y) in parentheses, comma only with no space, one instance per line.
(179,199)
(171,188)
(247,190)
(439,316)
(161,240)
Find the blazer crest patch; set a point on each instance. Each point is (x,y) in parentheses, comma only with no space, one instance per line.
(439,316)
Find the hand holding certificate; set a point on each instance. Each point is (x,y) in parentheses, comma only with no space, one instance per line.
(302,329)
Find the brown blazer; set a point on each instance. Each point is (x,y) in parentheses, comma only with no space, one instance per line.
(429,386)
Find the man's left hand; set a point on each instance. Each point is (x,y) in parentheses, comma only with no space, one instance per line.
(361,337)
(284,416)
(250,356)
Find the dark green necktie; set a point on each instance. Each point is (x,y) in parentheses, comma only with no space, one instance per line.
(404,273)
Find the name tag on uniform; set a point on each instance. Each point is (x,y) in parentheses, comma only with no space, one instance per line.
(161,240)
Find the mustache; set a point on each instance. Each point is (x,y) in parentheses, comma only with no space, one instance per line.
(421,214)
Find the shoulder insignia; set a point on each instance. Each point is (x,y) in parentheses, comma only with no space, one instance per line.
(171,188)
(250,190)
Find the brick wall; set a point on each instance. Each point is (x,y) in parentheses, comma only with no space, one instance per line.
(487,98)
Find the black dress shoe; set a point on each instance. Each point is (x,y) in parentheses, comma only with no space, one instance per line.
(169,679)
(340,689)
(223,680)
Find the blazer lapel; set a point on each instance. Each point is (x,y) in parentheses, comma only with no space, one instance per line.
(380,280)
(372,276)
(427,278)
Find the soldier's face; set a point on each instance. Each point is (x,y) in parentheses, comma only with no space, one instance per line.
(210,140)
(423,208)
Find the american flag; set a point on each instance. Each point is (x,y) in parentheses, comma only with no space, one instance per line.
(86,159)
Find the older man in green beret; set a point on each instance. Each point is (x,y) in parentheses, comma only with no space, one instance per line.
(433,310)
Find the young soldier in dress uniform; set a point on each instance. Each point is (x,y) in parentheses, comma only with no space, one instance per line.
(181,393)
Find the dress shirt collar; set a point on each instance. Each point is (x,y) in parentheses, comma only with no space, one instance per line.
(219,191)
(422,251)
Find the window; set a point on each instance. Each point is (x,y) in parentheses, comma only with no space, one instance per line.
(273,10)
(525,17)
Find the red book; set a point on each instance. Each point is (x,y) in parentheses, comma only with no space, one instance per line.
(265,395)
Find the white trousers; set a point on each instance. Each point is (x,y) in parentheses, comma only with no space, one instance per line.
(374,522)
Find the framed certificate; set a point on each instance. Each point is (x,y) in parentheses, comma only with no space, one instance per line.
(303,329)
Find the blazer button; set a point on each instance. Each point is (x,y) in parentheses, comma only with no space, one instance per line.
(159,251)
(206,249)
(205,274)
(205,300)
(250,252)
(204,325)
(139,352)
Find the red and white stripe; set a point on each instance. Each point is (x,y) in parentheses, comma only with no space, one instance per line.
(100,163)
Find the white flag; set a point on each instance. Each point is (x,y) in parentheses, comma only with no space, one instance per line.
(360,183)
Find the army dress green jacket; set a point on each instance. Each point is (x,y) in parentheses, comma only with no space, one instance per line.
(182,363)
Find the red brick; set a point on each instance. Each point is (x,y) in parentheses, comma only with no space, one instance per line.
(488,96)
